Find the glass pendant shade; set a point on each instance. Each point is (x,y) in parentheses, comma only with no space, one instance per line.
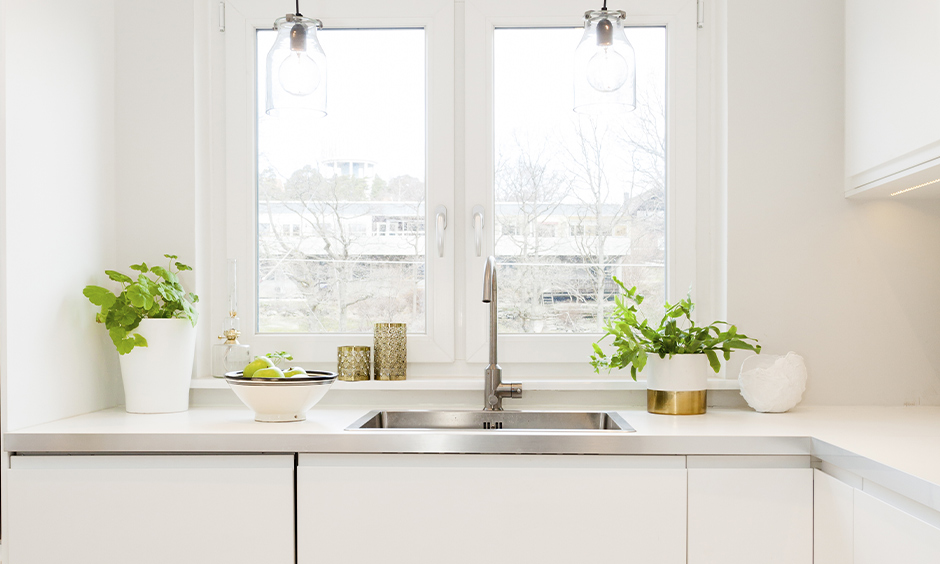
(295,78)
(604,66)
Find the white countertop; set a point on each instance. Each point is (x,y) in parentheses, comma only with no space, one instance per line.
(898,447)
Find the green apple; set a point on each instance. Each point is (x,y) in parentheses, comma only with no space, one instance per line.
(295,371)
(272,372)
(257,364)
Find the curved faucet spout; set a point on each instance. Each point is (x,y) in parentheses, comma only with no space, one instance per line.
(489,281)
(494,389)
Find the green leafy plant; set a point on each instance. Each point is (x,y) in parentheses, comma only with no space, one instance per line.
(279,356)
(635,338)
(156,293)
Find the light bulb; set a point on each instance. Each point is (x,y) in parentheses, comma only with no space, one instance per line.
(607,70)
(299,74)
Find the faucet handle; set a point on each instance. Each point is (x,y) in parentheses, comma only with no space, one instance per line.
(509,390)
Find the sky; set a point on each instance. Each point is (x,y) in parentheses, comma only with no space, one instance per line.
(375,104)
(533,82)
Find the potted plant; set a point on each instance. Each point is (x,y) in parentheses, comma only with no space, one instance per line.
(152,325)
(678,385)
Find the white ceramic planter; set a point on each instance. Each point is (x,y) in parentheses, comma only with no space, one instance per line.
(156,377)
(677,385)
(681,373)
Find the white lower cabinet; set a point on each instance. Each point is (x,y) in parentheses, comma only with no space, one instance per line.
(833,520)
(429,509)
(151,509)
(745,510)
(433,508)
(886,535)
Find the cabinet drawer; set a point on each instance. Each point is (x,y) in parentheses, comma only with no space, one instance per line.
(491,508)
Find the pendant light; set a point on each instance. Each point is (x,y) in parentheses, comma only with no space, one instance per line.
(604,65)
(295,79)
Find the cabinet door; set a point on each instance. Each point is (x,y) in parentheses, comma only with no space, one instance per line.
(151,509)
(892,84)
(744,510)
(833,515)
(429,509)
(885,534)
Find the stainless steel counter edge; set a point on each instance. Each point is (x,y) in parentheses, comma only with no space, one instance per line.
(412,442)
(918,489)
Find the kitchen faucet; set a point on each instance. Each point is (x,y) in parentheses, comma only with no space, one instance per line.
(494,389)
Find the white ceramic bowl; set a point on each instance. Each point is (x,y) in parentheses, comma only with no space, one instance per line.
(281,399)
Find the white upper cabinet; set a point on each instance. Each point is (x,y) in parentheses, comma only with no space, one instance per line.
(892,97)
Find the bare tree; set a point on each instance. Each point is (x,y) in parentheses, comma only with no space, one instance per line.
(601,208)
(644,134)
(399,286)
(353,260)
(607,187)
(321,265)
(526,226)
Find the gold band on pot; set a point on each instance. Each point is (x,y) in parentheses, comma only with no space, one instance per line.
(676,403)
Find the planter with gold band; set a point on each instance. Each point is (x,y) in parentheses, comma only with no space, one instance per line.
(676,385)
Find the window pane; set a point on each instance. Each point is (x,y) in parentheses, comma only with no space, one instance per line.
(341,200)
(579,199)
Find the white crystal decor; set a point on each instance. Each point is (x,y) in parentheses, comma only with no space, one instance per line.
(773,383)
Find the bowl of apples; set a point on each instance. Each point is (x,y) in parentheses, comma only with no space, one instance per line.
(277,395)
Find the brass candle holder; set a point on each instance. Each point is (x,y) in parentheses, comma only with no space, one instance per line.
(391,354)
(353,363)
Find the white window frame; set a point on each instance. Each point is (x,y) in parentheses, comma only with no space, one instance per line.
(243,19)
(460,173)
(482,18)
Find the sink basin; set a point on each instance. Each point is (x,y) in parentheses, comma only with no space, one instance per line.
(493,421)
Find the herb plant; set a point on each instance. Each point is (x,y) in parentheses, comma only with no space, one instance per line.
(157,296)
(635,338)
(279,356)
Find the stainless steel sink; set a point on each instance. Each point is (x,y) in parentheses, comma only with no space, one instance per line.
(607,421)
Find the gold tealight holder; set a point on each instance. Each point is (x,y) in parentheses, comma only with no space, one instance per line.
(391,354)
(352,363)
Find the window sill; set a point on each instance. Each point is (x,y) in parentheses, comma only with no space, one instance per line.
(476,383)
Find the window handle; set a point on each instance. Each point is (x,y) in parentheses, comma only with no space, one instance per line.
(478,224)
(441,221)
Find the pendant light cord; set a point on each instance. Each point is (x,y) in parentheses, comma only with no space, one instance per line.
(297,7)
(604,9)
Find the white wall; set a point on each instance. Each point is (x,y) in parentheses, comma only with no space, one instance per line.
(160,132)
(4,457)
(154,114)
(852,286)
(58,213)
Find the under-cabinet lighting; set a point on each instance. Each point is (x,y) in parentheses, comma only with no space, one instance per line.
(916,187)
